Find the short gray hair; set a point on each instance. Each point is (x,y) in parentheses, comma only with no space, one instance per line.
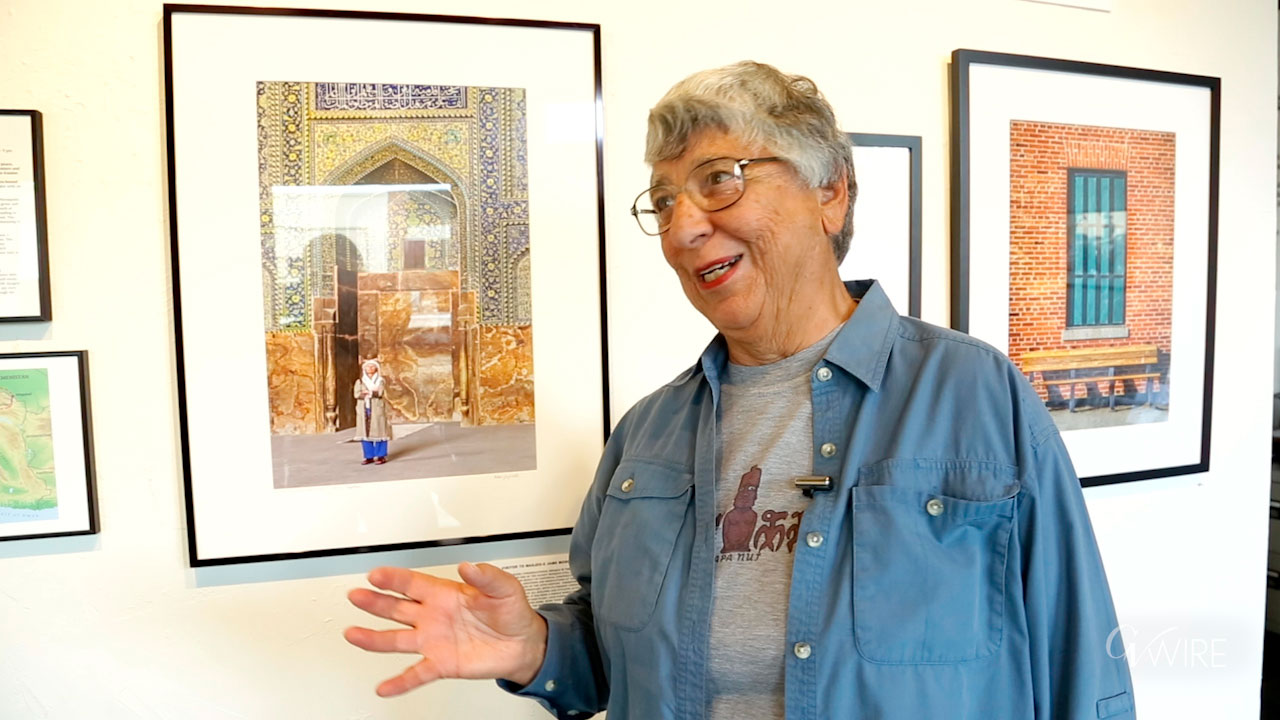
(759,104)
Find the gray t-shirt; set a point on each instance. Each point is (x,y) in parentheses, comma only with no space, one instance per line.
(766,440)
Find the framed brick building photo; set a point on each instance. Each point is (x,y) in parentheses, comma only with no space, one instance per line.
(1091,269)
(1084,226)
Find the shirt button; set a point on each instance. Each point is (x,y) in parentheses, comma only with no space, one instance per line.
(824,374)
(627,485)
(550,686)
(813,539)
(802,650)
(827,449)
(934,507)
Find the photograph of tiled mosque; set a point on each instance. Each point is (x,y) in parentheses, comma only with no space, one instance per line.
(395,228)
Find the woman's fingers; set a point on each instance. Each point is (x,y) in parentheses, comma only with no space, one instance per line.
(405,612)
(382,640)
(419,673)
(489,580)
(406,582)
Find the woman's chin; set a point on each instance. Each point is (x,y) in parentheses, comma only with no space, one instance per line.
(731,319)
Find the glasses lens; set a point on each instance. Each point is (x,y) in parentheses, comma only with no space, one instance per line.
(652,209)
(713,185)
(716,184)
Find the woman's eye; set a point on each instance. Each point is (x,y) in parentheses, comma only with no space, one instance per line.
(662,203)
(719,177)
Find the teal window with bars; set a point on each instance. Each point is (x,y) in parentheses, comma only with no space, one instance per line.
(1096,235)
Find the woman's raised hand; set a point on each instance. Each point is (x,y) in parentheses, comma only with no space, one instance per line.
(482,627)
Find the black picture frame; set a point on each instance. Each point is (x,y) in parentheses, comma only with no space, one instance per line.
(1019,90)
(66,383)
(914,194)
(44,312)
(281,543)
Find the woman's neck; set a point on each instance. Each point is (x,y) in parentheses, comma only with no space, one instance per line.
(801,324)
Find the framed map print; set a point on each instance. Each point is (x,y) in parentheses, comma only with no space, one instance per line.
(46,446)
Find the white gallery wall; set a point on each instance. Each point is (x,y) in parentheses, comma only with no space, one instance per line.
(118,626)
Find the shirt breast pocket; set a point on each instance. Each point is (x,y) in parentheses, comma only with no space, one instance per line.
(644,511)
(930,547)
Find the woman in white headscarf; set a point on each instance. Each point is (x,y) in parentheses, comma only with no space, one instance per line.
(372,428)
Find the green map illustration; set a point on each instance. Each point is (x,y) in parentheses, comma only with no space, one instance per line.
(26,443)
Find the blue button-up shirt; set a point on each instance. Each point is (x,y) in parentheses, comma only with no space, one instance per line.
(958,576)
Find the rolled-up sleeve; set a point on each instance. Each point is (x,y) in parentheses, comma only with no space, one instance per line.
(1078,667)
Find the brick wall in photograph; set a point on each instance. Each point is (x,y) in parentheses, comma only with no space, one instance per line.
(1040,156)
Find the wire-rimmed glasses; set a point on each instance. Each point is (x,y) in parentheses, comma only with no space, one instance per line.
(714,185)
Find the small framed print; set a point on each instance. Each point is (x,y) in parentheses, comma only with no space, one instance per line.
(886,217)
(387,278)
(24,249)
(1085,221)
(46,446)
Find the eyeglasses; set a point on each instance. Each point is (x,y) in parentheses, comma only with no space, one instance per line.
(714,185)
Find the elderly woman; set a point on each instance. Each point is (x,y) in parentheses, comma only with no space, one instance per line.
(837,512)
(372,428)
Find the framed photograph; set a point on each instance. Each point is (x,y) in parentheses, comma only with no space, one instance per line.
(886,217)
(46,446)
(1084,244)
(24,244)
(387,277)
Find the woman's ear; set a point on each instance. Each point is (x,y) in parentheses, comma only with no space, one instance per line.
(833,203)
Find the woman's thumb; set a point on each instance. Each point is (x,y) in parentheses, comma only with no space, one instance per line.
(490,580)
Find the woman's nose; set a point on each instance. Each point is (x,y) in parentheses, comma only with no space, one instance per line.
(690,224)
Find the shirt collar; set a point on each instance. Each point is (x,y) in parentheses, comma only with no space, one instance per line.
(863,344)
(861,347)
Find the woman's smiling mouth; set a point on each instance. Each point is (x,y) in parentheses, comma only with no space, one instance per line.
(717,270)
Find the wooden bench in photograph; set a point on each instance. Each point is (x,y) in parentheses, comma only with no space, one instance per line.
(1093,365)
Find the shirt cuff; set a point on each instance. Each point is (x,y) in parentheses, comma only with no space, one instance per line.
(547,687)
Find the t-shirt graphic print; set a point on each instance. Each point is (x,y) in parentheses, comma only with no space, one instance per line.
(766,441)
